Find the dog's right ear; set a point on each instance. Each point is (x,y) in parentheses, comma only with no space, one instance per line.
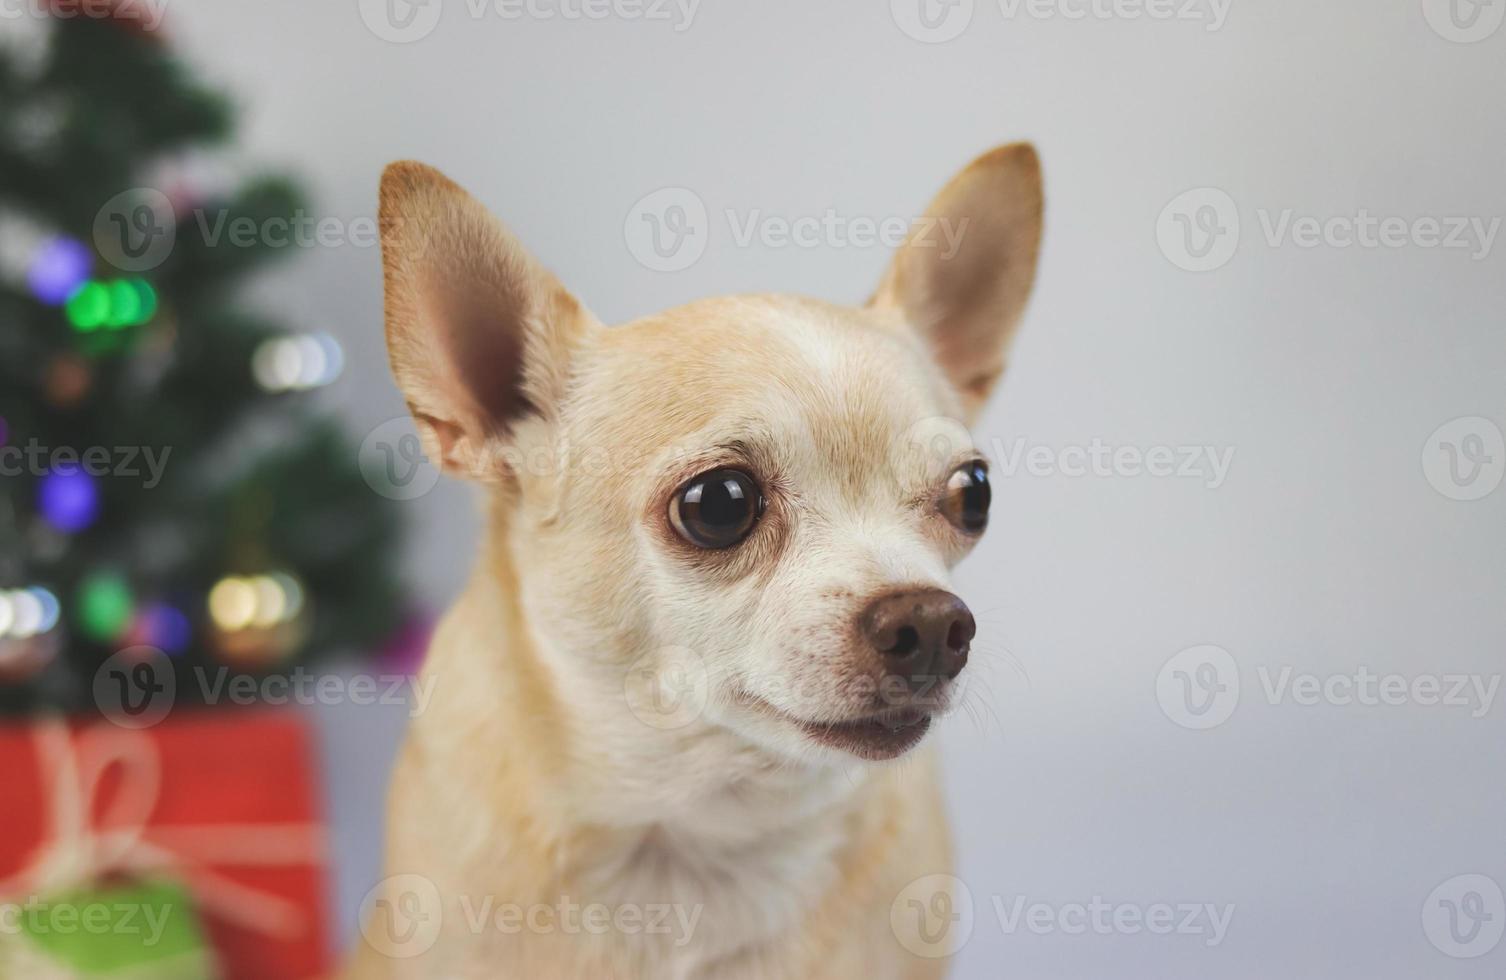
(479,333)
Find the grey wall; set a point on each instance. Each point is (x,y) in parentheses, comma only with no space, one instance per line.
(1325,370)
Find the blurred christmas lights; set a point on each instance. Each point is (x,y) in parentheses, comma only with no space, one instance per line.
(25,613)
(105,605)
(297,363)
(112,305)
(163,626)
(255,602)
(259,619)
(60,267)
(69,500)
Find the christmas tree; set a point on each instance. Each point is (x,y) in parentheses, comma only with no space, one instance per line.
(167,483)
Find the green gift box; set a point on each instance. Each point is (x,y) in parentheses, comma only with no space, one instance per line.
(139,931)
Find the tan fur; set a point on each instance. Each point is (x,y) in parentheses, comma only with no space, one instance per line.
(530,778)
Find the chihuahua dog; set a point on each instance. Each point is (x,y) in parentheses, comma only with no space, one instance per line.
(711,611)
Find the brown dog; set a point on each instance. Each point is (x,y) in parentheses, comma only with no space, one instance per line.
(712,605)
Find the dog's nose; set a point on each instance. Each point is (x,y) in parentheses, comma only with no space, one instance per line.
(923,635)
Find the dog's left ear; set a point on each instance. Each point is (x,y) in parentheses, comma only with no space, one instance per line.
(963,278)
(481,336)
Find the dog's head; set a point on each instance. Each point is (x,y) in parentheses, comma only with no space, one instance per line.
(741,513)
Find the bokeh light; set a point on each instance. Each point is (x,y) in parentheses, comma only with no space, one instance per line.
(59,268)
(88,307)
(164,626)
(255,602)
(232,603)
(297,363)
(105,604)
(25,613)
(116,304)
(69,500)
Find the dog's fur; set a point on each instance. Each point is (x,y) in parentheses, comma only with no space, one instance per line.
(534,778)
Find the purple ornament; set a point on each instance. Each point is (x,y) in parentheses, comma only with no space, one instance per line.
(69,499)
(60,267)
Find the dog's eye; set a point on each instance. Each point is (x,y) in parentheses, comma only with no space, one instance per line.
(967,497)
(717,509)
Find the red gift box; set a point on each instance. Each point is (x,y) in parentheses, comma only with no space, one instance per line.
(224,802)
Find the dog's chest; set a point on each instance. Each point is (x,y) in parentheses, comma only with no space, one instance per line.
(726,899)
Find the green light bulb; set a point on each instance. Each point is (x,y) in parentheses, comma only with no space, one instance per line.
(147,299)
(104,606)
(125,305)
(89,307)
